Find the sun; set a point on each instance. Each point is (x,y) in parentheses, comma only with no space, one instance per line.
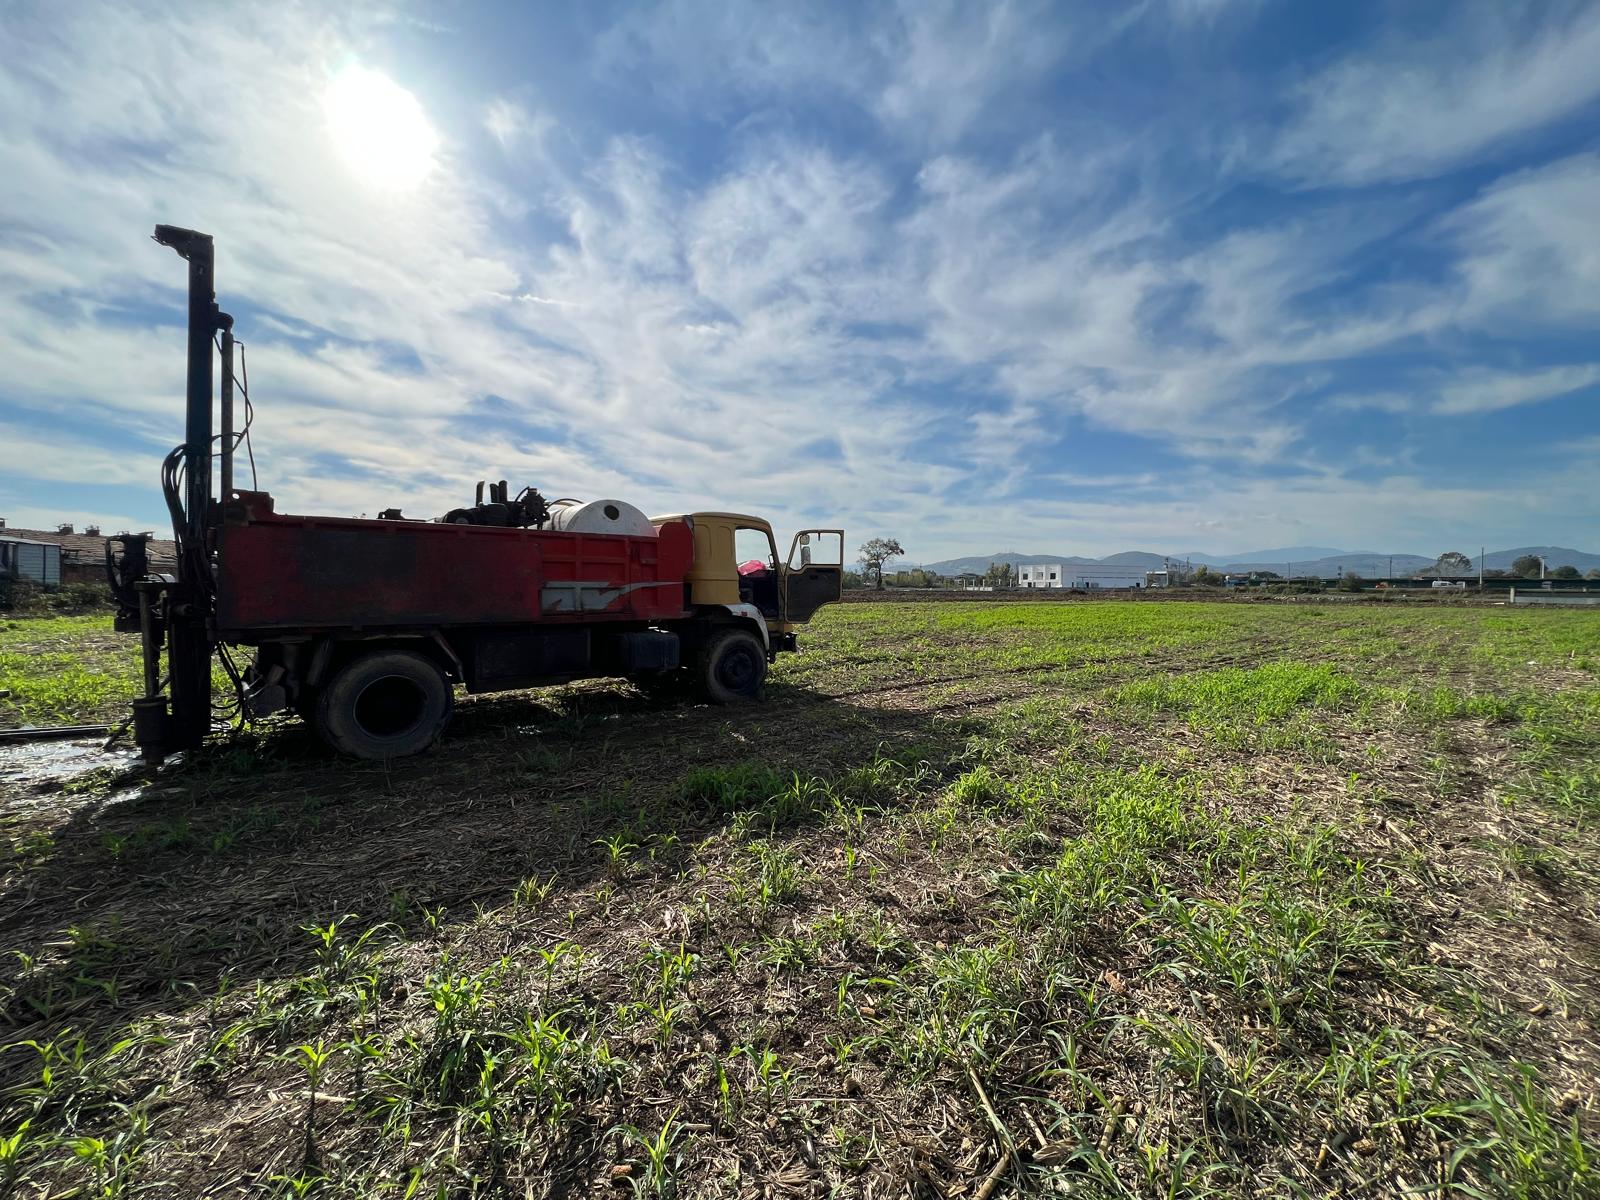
(379,128)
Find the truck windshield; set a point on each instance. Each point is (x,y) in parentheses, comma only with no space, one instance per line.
(752,550)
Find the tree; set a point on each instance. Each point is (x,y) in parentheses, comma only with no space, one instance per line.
(1565,573)
(998,575)
(877,551)
(1529,566)
(1594,573)
(1453,562)
(1351,582)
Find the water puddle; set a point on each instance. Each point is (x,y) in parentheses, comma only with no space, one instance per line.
(31,773)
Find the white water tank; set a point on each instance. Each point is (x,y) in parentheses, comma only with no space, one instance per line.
(600,516)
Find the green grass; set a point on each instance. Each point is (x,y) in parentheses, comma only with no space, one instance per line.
(65,669)
(1261,694)
(72,670)
(1144,900)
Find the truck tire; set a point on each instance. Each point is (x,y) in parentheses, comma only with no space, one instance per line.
(384,705)
(733,667)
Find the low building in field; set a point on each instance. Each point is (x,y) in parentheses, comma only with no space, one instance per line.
(1080,576)
(81,557)
(36,562)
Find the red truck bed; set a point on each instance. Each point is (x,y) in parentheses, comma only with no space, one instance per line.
(278,571)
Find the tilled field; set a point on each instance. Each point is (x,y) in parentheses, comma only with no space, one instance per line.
(1094,899)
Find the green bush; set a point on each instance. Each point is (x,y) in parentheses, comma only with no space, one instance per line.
(18,595)
(24,595)
(79,597)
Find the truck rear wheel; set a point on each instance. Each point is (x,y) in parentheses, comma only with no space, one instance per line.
(734,667)
(384,705)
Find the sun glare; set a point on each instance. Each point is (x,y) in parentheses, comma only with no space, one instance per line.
(379,128)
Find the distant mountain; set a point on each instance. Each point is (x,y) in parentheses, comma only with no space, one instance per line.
(1294,554)
(979,563)
(1319,561)
(1366,563)
(1137,558)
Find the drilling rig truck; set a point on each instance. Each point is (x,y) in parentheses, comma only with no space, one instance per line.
(365,627)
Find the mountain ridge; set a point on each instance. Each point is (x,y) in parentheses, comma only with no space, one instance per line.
(1368,563)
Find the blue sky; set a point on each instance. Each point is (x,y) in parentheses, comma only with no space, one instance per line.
(1200,275)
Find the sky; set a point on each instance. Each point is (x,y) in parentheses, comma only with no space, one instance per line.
(1203,275)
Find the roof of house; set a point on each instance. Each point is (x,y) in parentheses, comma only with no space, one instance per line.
(88,547)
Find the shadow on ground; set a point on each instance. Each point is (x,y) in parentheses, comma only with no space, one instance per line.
(159,890)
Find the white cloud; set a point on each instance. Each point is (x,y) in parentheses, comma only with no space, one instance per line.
(61,459)
(1529,252)
(932,71)
(1402,511)
(1391,402)
(1416,106)
(716,58)
(681,336)
(1481,391)
(513,125)
(949,61)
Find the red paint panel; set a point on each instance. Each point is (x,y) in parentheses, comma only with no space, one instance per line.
(282,571)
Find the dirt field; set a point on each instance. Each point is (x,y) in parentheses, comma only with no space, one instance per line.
(1098,899)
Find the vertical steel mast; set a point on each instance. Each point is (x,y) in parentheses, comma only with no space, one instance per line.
(189,602)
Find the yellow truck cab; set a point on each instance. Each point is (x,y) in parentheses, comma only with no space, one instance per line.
(736,567)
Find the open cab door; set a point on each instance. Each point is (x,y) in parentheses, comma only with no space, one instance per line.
(814,575)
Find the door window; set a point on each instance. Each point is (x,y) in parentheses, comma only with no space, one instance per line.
(757,560)
(817,548)
(752,546)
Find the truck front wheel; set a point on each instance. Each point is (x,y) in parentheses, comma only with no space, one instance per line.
(384,705)
(734,667)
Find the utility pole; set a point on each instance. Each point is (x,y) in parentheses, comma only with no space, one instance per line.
(1482,551)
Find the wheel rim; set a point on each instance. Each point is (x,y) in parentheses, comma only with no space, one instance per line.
(739,668)
(391,706)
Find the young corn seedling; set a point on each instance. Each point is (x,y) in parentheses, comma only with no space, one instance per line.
(551,958)
(112,1161)
(666,1015)
(12,1149)
(533,891)
(618,850)
(314,1060)
(662,1160)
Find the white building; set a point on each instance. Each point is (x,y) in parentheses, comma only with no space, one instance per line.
(1084,576)
(1040,575)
